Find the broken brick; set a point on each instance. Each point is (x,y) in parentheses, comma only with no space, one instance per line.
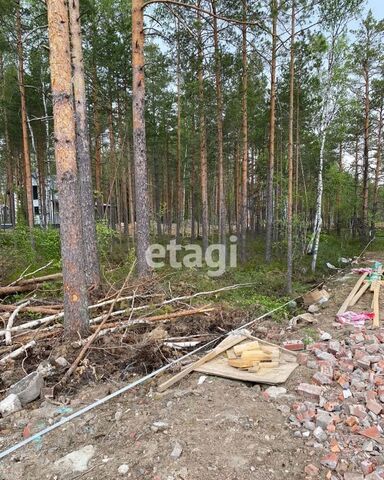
(350,421)
(311,470)
(321,379)
(330,461)
(302,358)
(371,432)
(310,391)
(374,406)
(293,345)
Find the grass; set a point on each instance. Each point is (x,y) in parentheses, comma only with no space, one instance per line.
(267,292)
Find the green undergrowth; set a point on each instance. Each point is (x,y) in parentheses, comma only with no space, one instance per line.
(20,249)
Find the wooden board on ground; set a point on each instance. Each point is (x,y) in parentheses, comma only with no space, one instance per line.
(220,367)
(227,343)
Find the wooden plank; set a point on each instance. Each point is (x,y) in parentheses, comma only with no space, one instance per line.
(376,307)
(227,343)
(359,294)
(239,349)
(231,354)
(352,293)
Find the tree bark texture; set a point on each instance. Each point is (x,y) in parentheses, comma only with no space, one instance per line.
(87,204)
(139,142)
(76,318)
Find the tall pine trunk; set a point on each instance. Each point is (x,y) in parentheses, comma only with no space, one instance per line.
(87,205)
(219,122)
(139,143)
(71,233)
(203,140)
(244,160)
(272,124)
(290,152)
(24,126)
(364,232)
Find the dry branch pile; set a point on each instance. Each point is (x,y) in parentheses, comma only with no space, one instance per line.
(130,315)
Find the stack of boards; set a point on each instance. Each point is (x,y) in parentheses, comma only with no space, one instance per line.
(253,356)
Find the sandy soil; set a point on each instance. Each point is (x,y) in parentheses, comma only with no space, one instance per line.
(226,429)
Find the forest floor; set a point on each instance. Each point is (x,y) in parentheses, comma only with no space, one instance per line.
(217,430)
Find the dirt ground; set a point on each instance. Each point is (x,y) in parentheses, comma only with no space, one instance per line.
(223,429)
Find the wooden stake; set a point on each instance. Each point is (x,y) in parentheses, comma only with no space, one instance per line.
(352,294)
(359,294)
(376,307)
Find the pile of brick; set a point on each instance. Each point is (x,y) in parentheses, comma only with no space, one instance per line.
(342,412)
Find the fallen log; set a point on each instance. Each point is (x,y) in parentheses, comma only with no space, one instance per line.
(16,353)
(29,308)
(16,289)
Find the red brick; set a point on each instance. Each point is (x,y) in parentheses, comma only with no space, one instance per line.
(310,391)
(371,432)
(358,411)
(346,365)
(350,421)
(293,345)
(321,379)
(374,406)
(311,470)
(302,358)
(331,406)
(335,447)
(330,461)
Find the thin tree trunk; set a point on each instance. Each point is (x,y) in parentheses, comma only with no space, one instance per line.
(87,204)
(244,162)
(139,143)
(378,167)
(8,156)
(76,320)
(203,140)
(290,151)
(24,126)
(219,121)
(366,155)
(271,161)
(97,130)
(179,186)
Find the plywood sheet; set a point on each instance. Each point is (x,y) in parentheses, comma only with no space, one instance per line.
(219,367)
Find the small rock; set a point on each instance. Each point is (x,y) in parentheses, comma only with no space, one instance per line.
(275,392)
(325,336)
(76,461)
(319,434)
(123,469)
(118,415)
(202,379)
(313,308)
(159,426)
(353,476)
(28,388)
(323,419)
(61,362)
(10,404)
(177,451)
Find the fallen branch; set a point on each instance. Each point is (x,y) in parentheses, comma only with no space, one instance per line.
(100,318)
(45,278)
(25,274)
(16,353)
(30,308)
(8,334)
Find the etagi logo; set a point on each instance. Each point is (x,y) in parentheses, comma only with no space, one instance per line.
(215,256)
